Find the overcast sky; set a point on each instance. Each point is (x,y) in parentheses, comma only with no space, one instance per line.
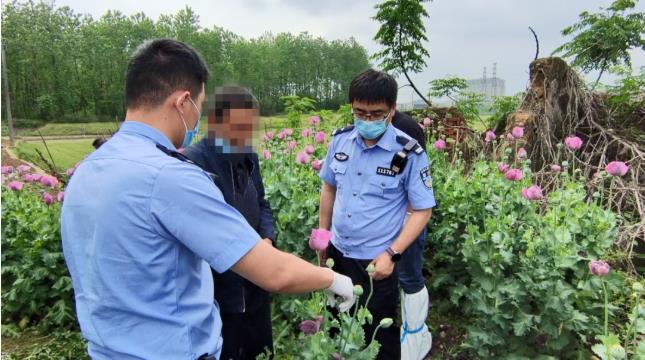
(464,35)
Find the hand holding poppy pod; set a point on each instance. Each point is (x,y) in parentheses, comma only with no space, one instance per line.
(341,285)
(383,266)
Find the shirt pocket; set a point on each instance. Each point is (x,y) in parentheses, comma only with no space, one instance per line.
(385,186)
(339,171)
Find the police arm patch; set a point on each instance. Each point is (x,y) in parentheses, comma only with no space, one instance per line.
(425,177)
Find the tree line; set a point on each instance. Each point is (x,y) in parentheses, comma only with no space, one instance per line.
(66,66)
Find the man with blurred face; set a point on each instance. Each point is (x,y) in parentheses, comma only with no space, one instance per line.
(228,153)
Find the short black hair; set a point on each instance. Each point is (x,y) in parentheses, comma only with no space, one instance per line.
(98,142)
(232,97)
(160,67)
(373,87)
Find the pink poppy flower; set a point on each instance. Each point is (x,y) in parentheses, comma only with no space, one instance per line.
(309,149)
(48,180)
(517,132)
(319,239)
(320,137)
(60,196)
(28,178)
(266,154)
(440,145)
(310,327)
(314,120)
(503,168)
(573,142)
(6,169)
(532,193)
(302,158)
(514,175)
(521,153)
(316,164)
(48,198)
(306,133)
(556,168)
(15,185)
(490,136)
(599,267)
(617,168)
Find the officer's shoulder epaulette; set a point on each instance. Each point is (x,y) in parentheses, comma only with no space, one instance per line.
(183,158)
(409,144)
(342,130)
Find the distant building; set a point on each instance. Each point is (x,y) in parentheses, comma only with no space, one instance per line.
(418,104)
(489,87)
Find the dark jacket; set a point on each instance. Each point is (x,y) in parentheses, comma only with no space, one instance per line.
(406,123)
(238,178)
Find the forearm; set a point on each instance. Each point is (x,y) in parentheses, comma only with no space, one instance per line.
(277,271)
(417,221)
(327,197)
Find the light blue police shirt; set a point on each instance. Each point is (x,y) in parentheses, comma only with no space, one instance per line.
(139,230)
(371,202)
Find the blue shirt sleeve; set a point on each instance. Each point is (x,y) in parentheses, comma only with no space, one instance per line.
(326,173)
(186,205)
(418,183)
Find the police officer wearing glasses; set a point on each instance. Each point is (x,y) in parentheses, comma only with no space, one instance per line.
(372,173)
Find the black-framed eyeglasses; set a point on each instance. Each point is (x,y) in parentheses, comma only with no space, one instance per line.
(371,115)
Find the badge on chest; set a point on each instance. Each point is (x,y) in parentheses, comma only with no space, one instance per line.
(385,171)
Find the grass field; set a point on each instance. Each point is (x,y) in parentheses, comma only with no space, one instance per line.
(66,153)
(106,128)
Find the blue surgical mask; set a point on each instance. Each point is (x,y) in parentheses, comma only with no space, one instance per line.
(371,130)
(190,134)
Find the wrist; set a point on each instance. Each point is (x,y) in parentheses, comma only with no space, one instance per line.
(394,255)
(330,278)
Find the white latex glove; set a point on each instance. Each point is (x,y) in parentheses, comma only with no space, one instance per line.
(343,287)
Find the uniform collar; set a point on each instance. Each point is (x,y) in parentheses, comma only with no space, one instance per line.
(147,131)
(385,142)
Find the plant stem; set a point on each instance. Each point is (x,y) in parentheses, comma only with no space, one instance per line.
(606,327)
(374,335)
(632,327)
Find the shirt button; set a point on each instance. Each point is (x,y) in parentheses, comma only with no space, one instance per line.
(360,173)
(346,237)
(354,194)
(349,215)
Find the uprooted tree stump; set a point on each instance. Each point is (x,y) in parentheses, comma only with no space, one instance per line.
(558,104)
(449,124)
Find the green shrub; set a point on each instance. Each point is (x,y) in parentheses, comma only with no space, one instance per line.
(517,270)
(37,288)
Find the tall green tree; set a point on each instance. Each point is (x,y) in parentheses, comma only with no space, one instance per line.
(402,33)
(63,66)
(604,39)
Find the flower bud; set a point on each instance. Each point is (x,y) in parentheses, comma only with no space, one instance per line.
(330,263)
(358,290)
(386,323)
(370,269)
